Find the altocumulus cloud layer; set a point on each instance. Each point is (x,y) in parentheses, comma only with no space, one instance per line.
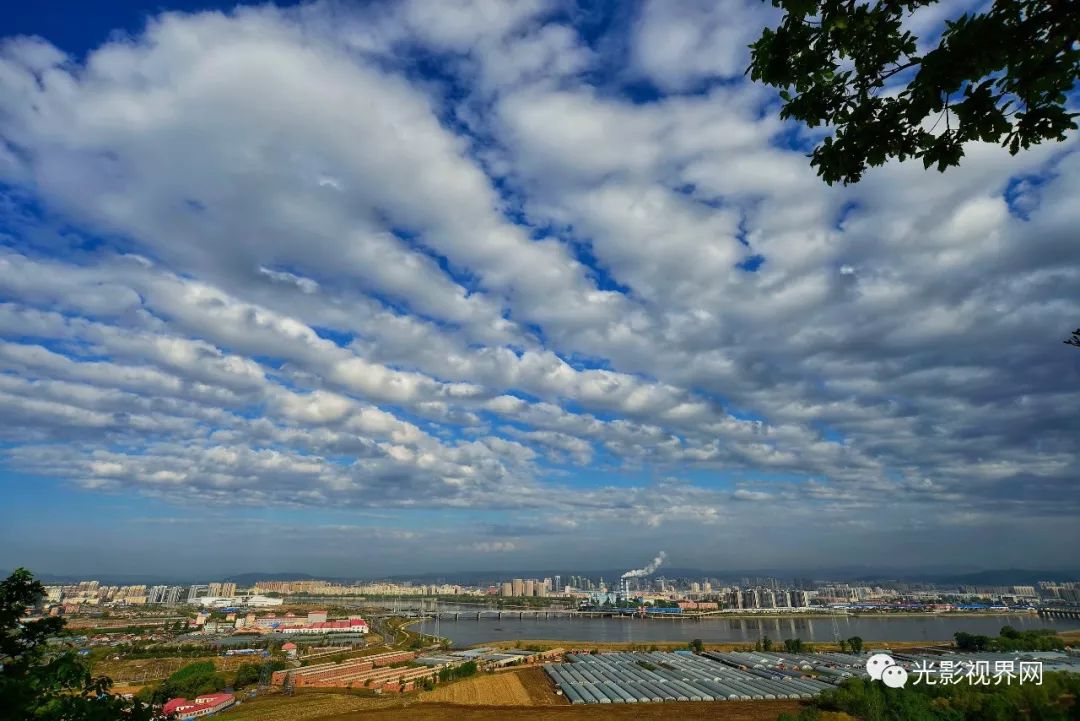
(495,283)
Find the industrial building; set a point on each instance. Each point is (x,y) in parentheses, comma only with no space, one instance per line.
(315,622)
(365,672)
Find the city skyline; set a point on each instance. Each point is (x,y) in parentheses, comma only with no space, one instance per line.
(377,289)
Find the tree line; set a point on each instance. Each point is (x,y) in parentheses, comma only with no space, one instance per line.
(1054,700)
(1039,639)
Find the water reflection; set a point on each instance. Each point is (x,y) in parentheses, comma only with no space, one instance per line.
(467,631)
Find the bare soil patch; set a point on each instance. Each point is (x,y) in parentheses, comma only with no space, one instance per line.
(523,687)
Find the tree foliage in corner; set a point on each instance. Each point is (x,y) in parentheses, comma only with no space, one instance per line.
(1000,75)
(41,682)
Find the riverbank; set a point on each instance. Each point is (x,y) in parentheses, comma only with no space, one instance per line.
(759,614)
(548,644)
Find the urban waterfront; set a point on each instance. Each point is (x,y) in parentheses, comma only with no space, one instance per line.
(466,632)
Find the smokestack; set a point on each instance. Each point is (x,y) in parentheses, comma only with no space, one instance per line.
(648,570)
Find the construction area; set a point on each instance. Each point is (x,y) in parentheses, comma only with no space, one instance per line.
(613,678)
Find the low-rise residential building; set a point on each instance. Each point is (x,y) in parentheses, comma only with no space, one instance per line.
(199,706)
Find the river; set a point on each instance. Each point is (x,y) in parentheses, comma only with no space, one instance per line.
(466,632)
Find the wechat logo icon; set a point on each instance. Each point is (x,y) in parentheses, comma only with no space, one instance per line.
(882,667)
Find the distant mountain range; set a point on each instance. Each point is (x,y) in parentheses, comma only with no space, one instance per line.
(939,576)
(855,574)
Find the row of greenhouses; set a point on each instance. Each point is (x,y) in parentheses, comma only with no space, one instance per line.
(829,667)
(680,676)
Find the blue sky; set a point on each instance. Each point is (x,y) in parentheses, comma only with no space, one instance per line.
(399,287)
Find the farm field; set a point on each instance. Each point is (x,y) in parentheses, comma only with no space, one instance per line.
(726,710)
(138,671)
(303,707)
(345,707)
(525,687)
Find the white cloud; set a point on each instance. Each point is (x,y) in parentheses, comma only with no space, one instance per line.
(275,266)
(681,43)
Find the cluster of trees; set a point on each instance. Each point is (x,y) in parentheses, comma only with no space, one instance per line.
(44,681)
(202,677)
(247,674)
(465,670)
(796,645)
(151,650)
(1000,74)
(134,629)
(1040,639)
(190,681)
(1054,700)
(853,644)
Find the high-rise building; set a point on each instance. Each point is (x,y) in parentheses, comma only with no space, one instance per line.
(530,588)
(507,589)
(197,591)
(519,587)
(172,596)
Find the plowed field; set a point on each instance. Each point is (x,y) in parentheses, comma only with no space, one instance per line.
(527,687)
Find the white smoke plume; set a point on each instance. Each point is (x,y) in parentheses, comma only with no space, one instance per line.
(648,570)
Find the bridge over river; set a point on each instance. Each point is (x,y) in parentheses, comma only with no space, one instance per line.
(1060,612)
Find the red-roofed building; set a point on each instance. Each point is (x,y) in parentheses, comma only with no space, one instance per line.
(352,625)
(199,706)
